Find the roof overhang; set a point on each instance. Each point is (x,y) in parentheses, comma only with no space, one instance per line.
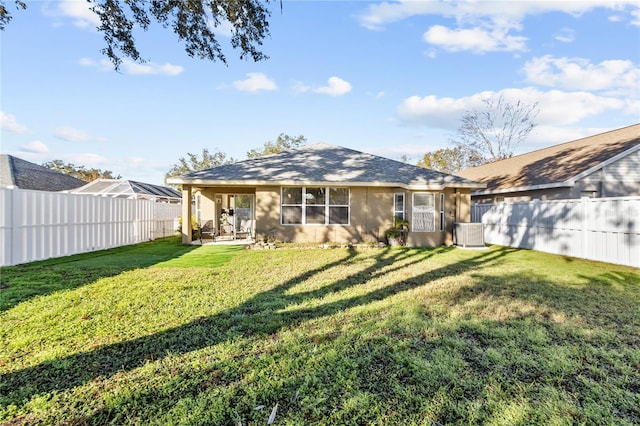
(411,187)
(566,184)
(524,188)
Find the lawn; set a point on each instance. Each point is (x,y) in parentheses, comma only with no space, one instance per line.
(161,333)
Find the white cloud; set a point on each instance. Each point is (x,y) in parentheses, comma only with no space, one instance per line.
(486,25)
(300,87)
(544,135)
(336,87)
(71,134)
(556,107)
(78,11)
(132,68)
(151,68)
(472,12)
(36,147)
(8,122)
(255,82)
(615,76)
(380,14)
(565,35)
(102,65)
(475,39)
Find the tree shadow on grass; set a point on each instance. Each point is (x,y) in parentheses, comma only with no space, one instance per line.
(261,315)
(476,368)
(529,365)
(23,282)
(577,339)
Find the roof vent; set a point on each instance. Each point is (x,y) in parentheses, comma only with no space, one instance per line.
(468,234)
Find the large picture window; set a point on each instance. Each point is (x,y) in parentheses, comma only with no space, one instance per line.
(423,212)
(314,206)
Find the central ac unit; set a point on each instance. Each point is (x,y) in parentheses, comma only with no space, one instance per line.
(468,234)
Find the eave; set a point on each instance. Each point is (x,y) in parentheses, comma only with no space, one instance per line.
(412,187)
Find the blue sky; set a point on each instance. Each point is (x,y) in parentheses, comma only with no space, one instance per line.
(390,78)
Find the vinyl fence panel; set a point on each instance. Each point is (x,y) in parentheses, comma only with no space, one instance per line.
(37,225)
(604,229)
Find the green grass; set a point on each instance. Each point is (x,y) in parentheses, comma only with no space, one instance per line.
(160,333)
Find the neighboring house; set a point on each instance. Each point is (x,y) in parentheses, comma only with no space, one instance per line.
(326,193)
(604,165)
(120,188)
(18,173)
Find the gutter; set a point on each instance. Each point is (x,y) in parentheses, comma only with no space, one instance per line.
(414,187)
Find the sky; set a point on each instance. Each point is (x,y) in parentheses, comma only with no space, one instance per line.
(389,78)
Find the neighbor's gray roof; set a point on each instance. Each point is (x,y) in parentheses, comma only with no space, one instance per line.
(128,189)
(26,175)
(325,164)
(557,165)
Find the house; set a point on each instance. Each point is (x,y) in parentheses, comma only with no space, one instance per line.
(604,165)
(121,188)
(18,173)
(326,193)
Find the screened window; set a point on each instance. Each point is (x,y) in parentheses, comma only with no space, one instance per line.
(423,217)
(315,206)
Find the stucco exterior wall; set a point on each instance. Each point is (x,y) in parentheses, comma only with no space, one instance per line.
(371,214)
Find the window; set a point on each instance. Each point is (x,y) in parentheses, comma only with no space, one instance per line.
(423,217)
(441,212)
(314,206)
(587,194)
(398,206)
(197,209)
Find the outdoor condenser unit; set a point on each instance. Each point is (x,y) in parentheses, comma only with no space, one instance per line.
(468,234)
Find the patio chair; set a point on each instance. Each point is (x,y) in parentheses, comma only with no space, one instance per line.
(207,230)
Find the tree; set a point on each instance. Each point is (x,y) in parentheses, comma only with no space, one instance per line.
(194,22)
(493,132)
(80,172)
(194,163)
(283,142)
(448,160)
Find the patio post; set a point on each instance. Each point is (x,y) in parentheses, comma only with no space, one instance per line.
(186,214)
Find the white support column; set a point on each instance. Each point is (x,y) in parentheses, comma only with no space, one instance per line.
(186,214)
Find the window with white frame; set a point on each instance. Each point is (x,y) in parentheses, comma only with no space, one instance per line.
(441,212)
(314,206)
(398,206)
(423,212)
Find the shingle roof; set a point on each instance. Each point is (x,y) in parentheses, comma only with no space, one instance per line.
(129,189)
(555,165)
(26,175)
(322,163)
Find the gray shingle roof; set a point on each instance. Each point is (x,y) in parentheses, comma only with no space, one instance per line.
(324,164)
(556,164)
(26,175)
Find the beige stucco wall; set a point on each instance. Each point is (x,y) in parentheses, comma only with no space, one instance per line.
(371,213)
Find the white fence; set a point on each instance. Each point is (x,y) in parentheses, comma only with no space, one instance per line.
(604,229)
(36,225)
